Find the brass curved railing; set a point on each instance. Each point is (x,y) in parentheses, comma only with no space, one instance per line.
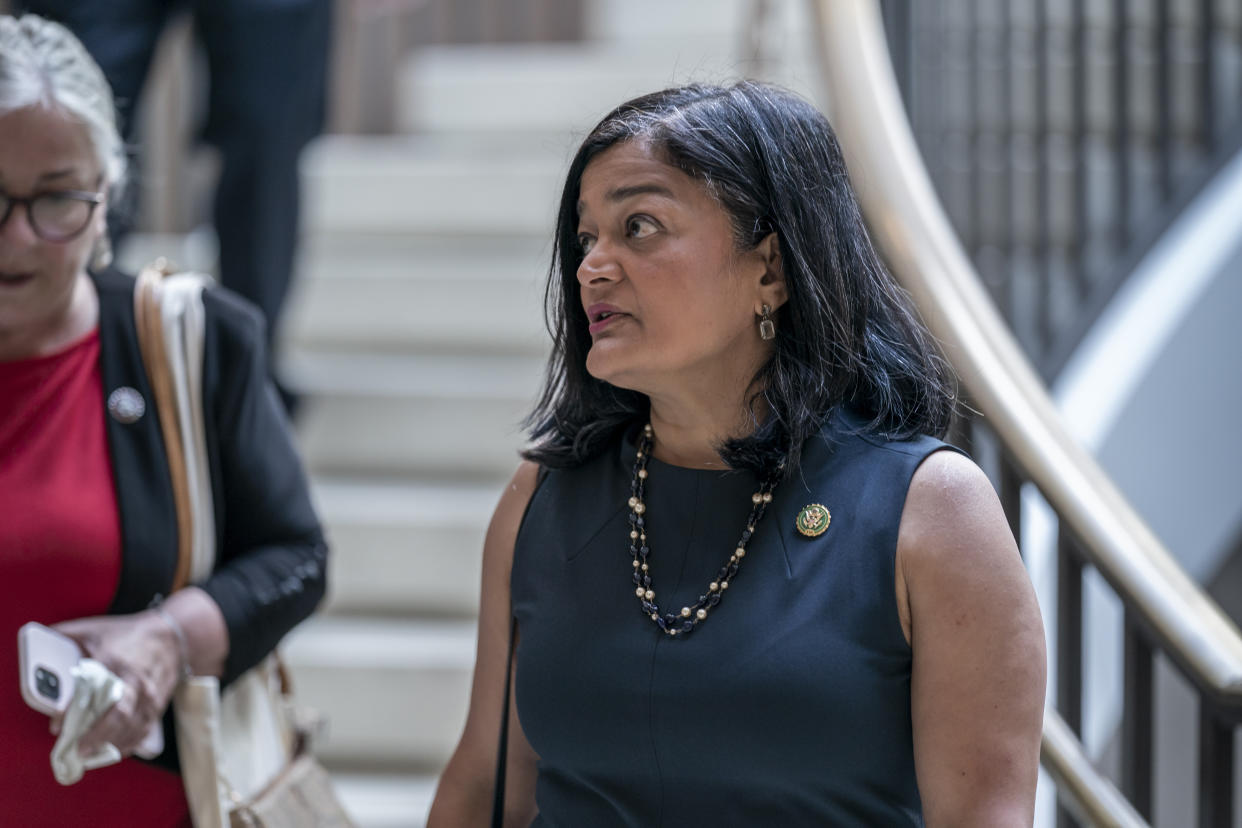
(1089,796)
(1162,604)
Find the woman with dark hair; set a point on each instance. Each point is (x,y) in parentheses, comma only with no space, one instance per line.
(747,583)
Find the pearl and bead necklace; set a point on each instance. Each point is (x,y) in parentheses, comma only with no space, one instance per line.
(684,622)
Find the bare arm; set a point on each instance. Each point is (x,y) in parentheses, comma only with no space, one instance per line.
(979,664)
(464,796)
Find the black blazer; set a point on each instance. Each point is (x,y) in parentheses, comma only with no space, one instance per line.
(271,554)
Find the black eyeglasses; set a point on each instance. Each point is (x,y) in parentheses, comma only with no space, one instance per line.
(55,216)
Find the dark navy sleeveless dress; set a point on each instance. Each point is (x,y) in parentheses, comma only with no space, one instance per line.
(788,706)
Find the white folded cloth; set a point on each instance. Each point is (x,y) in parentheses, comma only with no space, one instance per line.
(95,690)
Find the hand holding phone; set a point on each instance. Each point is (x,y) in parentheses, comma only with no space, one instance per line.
(46,661)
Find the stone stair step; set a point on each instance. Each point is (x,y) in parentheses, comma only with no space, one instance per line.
(394,691)
(404,185)
(558,89)
(419,293)
(630,21)
(386,800)
(456,416)
(541,88)
(406,547)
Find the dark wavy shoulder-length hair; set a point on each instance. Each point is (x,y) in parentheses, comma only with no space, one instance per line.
(847,335)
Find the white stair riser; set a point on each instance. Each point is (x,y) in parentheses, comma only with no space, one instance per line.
(456,437)
(405,568)
(385,800)
(394,692)
(631,20)
(334,257)
(406,292)
(367,184)
(561,91)
(399,714)
(418,314)
(571,107)
(437,97)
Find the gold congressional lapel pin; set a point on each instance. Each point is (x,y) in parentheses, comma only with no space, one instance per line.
(813,520)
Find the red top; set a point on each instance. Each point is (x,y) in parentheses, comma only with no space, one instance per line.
(60,558)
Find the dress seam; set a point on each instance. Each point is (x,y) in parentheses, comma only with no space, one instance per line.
(651,729)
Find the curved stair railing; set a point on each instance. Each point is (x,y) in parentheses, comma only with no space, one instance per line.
(1085,794)
(1165,611)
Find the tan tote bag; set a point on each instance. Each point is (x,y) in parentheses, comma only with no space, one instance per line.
(245,753)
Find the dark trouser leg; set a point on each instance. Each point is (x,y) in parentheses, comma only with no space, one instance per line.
(268,66)
(256,220)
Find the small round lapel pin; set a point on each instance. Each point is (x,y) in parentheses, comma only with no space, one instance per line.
(126,405)
(813,520)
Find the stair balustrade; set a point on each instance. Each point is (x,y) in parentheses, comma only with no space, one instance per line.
(1165,611)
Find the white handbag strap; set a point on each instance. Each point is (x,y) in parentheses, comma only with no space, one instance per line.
(232,746)
(181,308)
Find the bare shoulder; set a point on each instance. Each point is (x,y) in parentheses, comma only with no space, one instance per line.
(518,493)
(952,511)
(953,541)
(514,499)
(507,519)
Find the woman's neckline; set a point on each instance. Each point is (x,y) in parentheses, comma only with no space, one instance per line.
(629,446)
(61,352)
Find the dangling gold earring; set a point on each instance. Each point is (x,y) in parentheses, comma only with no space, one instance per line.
(767,328)
(101,256)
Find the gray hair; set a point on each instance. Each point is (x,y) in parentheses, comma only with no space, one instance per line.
(43,64)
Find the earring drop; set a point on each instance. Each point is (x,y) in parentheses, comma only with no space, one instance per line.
(767,328)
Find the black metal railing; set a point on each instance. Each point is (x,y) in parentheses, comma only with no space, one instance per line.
(1219,714)
(1064,136)
(1020,438)
(1140,644)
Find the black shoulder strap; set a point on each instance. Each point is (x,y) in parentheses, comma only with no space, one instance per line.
(498,800)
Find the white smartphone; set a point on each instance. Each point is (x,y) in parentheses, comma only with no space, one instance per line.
(46,659)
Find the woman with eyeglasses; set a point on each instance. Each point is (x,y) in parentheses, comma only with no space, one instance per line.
(741,579)
(88,533)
